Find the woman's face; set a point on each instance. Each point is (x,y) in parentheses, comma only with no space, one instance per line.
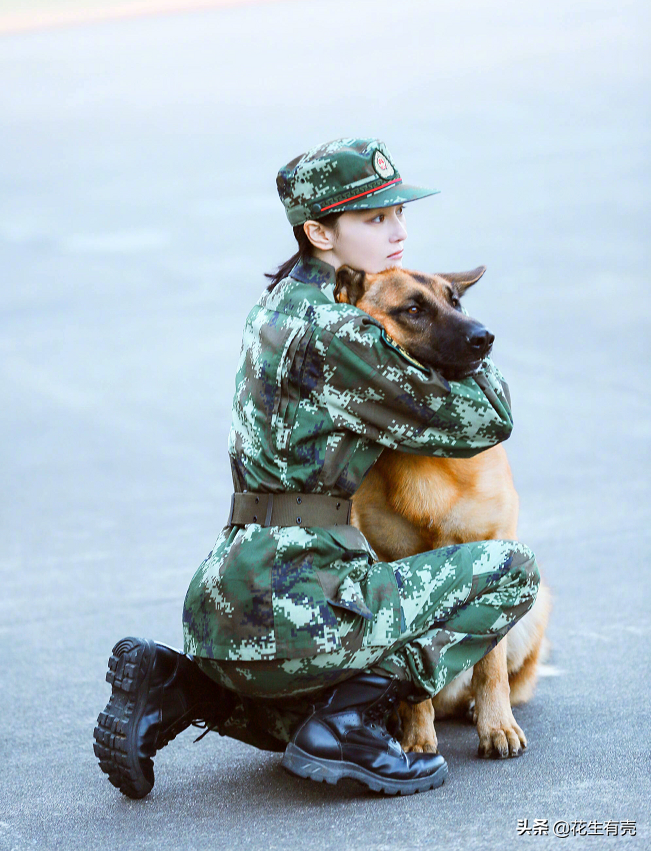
(369,240)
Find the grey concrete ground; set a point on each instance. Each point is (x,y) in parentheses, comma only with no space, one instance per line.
(137,215)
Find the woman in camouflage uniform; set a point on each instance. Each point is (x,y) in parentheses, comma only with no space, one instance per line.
(297,638)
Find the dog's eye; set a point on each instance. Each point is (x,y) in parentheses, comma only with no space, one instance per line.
(414,309)
(455,301)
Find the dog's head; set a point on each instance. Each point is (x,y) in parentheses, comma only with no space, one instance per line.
(422,314)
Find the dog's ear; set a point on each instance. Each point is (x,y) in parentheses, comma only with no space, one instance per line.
(464,280)
(350,285)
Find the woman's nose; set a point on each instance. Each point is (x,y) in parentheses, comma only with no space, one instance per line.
(399,232)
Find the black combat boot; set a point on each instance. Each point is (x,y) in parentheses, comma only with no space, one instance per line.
(346,736)
(157,693)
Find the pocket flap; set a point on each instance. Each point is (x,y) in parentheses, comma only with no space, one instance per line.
(351,539)
(349,597)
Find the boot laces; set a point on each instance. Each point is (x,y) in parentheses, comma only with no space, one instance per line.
(207,721)
(206,726)
(377,716)
(379,712)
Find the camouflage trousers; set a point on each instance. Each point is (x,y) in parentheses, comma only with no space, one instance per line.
(488,586)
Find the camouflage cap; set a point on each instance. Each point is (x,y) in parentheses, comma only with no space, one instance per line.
(345,174)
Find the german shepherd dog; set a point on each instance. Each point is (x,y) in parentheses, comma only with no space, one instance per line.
(409,504)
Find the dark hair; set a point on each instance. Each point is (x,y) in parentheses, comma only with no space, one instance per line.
(305,248)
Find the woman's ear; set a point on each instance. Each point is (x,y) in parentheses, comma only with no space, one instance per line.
(320,236)
(350,285)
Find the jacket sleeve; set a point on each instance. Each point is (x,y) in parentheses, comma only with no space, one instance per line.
(373,388)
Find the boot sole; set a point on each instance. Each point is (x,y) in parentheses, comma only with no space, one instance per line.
(302,764)
(129,672)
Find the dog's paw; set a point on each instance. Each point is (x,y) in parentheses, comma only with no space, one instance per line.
(425,745)
(502,740)
(418,733)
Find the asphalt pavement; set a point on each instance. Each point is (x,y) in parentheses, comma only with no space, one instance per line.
(137,216)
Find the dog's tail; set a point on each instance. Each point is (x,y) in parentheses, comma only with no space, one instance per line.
(545,651)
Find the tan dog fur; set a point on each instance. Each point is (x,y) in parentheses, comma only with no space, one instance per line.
(409,504)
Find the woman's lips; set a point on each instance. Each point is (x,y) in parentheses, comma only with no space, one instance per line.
(397,255)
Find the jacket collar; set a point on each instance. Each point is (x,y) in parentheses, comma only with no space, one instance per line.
(311,270)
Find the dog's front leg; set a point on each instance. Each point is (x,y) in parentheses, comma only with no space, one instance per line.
(499,734)
(418,733)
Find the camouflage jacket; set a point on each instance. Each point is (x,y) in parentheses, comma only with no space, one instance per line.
(321,391)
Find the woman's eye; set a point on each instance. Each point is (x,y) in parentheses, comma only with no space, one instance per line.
(379,218)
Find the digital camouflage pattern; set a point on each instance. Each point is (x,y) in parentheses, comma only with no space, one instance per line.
(457,603)
(345,174)
(320,392)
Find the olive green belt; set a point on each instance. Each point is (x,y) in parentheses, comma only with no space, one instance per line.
(288,509)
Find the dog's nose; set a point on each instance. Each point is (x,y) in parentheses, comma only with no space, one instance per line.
(480,341)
